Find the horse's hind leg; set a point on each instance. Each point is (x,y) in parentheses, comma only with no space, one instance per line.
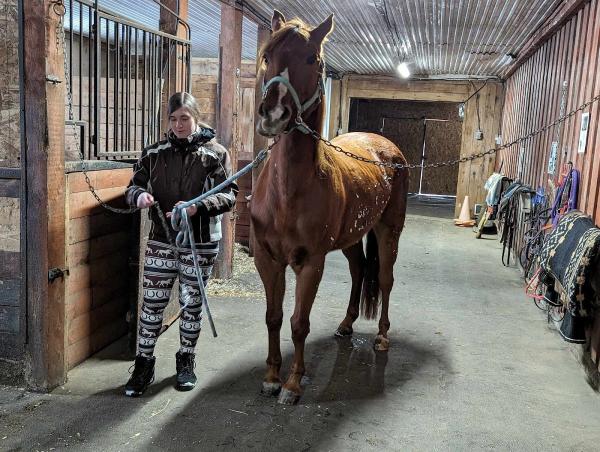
(387,244)
(273,277)
(356,261)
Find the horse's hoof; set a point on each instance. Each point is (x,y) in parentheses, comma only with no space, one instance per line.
(287,397)
(270,389)
(343,331)
(382,344)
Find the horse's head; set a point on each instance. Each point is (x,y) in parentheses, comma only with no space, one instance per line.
(292,73)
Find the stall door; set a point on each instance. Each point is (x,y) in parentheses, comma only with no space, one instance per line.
(407,134)
(442,144)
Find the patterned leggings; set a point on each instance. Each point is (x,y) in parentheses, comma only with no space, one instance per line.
(163,264)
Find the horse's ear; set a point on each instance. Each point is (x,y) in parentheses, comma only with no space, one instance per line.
(277,21)
(321,32)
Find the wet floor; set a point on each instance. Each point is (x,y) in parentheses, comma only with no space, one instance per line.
(472,365)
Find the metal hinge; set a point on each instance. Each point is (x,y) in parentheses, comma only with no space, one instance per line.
(55,273)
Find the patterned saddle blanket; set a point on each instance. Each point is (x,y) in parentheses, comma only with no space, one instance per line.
(568,257)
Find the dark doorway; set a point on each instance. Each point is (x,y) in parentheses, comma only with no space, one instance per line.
(425,132)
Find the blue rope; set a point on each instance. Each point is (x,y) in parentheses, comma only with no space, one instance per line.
(180,221)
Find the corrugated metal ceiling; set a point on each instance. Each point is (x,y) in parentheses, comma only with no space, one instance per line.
(438,38)
(204,17)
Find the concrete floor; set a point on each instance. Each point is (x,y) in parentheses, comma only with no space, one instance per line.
(473,365)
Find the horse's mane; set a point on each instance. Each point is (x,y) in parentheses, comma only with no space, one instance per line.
(291,26)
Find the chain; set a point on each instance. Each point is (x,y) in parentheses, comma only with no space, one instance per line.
(316,135)
(60,10)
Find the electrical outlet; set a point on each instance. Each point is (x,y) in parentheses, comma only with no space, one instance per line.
(478,135)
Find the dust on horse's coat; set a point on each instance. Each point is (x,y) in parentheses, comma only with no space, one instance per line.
(310,200)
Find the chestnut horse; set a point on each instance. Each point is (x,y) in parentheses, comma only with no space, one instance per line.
(310,200)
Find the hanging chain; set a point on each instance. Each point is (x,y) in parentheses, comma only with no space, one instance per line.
(60,10)
(61,41)
(316,135)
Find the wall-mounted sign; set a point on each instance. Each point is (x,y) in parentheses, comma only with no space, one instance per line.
(553,155)
(583,132)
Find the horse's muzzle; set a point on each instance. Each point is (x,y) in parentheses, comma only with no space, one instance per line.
(273,121)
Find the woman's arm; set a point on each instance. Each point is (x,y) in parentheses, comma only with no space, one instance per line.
(224,200)
(139,181)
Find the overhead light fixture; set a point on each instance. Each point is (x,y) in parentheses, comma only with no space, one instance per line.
(403,70)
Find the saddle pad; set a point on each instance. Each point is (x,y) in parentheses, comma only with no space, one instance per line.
(569,255)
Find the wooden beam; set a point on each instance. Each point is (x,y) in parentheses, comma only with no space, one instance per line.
(45,206)
(230,44)
(250,13)
(555,21)
(168,23)
(260,142)
(181,72)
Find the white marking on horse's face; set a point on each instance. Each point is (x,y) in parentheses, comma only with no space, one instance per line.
(277,112)
(274,121)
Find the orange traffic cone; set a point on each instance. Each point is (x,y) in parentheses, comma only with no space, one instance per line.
(464,219)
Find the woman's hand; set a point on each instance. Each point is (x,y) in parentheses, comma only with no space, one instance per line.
(191,210)
(145,200)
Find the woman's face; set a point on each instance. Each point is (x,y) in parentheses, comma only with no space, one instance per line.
(182,123)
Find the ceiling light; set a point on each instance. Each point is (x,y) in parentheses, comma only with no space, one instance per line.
(403,70)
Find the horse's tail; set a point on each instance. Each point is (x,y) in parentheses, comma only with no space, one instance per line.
(369,300)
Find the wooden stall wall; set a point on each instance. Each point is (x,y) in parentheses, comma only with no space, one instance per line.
(473,174)
(559,77)
(204,88)
(471,180)
(98,250)
(562,75)
(12,316)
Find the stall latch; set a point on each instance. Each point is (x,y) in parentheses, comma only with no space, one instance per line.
(55,273)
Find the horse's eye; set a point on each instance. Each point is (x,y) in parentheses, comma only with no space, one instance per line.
(265,60)
(311,59)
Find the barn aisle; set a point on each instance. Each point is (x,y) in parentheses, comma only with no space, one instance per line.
(472,366)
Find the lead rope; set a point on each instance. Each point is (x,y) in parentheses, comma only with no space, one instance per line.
(180,221)
(60,10)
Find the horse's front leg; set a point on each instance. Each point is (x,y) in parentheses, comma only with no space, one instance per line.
(272,274)
(308,277)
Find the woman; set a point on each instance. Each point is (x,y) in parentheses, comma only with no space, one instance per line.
(186,164)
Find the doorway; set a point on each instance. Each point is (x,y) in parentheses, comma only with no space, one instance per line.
(425,132)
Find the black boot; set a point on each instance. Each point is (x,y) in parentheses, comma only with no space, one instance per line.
(142,376)
(186,378)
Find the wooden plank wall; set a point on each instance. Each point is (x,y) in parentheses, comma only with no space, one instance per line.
(566,66)
(471,176)
(12,314)
(567,63)
(204,89)
(205,75)
(97,292)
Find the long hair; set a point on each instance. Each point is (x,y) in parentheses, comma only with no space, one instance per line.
(183,99)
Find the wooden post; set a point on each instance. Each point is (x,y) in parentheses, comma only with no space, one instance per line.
(45,202)
(230,43)
(168,23)
(181,71)
(260,142)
